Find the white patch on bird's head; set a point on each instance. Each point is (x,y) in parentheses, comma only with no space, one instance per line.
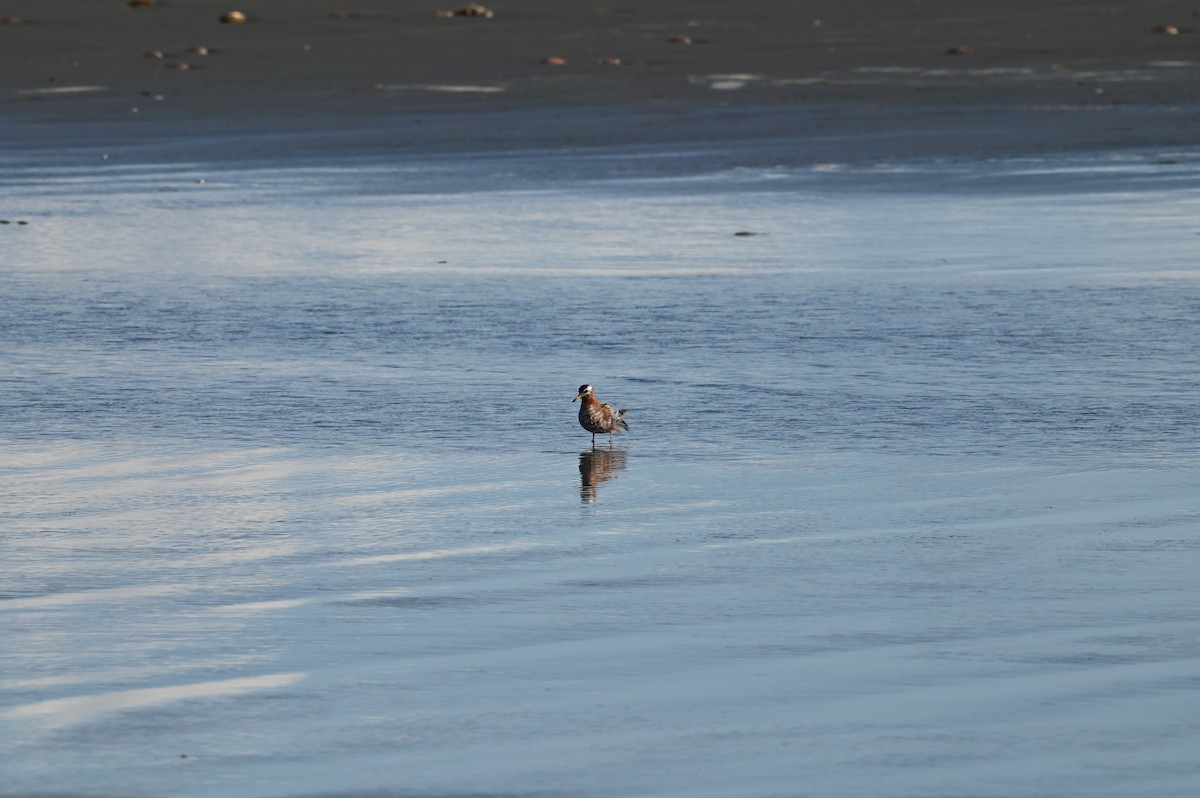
(584,390)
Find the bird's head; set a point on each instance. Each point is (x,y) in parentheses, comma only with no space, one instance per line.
(584,390)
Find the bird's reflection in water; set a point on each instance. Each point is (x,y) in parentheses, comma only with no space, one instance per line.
(597,466)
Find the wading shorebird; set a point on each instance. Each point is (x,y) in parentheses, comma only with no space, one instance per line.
(596,416)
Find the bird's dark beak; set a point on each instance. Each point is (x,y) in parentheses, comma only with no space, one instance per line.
(576,399)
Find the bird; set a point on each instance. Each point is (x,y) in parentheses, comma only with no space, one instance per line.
(596,416)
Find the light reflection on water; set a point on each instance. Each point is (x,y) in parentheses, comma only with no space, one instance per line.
(272,466)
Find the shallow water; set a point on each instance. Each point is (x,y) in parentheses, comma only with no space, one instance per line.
(295,503)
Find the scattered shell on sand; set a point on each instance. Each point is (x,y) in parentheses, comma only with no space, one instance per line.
(554,60)
(959,51)
(1169,30)
(609,61)
(180,65)
(154,54)
(476,10)
(198,50)
(679,40)
(234,18)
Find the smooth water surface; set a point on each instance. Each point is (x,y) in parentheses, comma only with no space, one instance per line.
(294,501)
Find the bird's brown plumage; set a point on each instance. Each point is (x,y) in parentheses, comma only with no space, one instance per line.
(599,417)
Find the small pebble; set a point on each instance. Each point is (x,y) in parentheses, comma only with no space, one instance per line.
(339,15)
(745,233)
(154,54)
(476,10)
(12,21)
(609,61)
(234,18)
(445,13)
(142,3)
(679,40)
(959,51)
(554,60)
(1169,30)
(198,50)
(180,65)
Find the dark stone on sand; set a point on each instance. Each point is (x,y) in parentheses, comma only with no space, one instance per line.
(476,10)
(154,54)
(959,51)
(554,60)
(233,18)
(679,40)
(609,61)
(12,21)
(179,65)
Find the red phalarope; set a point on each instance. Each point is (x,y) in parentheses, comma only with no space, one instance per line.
(599,417)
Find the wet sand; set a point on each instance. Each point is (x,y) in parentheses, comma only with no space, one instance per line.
(264,538)
(823,80)
(295,502)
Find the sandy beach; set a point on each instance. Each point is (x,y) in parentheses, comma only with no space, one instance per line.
(823,80)
(900,297)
